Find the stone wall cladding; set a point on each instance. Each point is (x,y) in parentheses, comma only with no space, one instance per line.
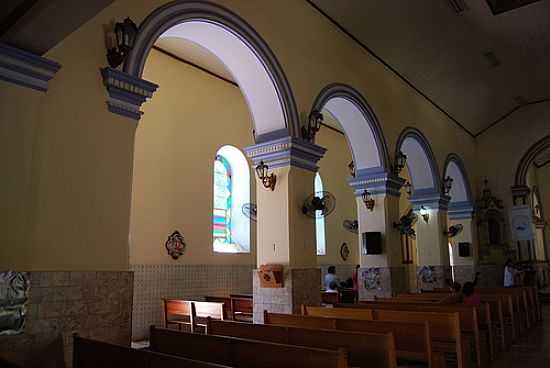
(392,280)
(93,304)
(301,286)
(442,275)
(343,271)
(463,273)
(152,283)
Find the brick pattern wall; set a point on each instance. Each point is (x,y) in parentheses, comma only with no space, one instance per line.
(192,282)
(92,304)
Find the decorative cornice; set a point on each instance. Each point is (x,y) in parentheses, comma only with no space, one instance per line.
(26,69)
(430,199)
(376,181)
(126,92)
(287,151)
(520,191)
(460,210)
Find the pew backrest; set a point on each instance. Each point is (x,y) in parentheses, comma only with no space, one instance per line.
(364,348)
(180,312)
(243,352)
(89,353)
(351,313)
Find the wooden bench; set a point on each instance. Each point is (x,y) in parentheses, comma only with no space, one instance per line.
(190,314)
(412,340)
(364,349)
(470,324)
(227,313)
(518,303)
(360,314)
(241,308)
(242,352)
(178,312)
(329,298)
(444,327)
(93,354)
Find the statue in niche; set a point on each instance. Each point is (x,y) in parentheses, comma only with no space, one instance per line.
(491,221)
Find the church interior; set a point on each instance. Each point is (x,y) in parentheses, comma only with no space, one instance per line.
(238,183)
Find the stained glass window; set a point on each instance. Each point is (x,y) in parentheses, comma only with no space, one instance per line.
(222,201)
(320,222)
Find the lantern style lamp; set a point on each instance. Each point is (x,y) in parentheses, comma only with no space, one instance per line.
(268,181)
(368,200)
(447,185)
(351,168)
(121,41)
(425,214)
(313,125)
(408,188)
(400,162)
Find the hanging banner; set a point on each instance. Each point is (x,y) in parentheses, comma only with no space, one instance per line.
(521,222)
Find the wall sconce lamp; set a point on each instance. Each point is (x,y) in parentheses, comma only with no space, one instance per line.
(408,188)
(425,214)
(268,181)
(313,126)
(368,200)
(351,168)
(447,185)
(120,41)
(400,162)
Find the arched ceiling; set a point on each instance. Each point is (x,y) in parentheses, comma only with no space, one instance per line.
(476,66)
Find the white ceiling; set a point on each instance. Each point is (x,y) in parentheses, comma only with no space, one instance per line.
(441,52)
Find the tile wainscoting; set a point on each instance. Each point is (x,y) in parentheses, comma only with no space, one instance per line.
(92,304)
(155,282)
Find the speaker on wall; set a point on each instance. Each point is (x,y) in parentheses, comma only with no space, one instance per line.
(372,242)
(463,249)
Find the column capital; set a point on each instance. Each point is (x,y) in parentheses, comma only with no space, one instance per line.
(376,181)
(126,92)
(286,151)
(26,69)
(430,199)
(520,191)
(460,210)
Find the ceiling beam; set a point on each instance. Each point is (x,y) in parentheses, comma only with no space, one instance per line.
(15,15)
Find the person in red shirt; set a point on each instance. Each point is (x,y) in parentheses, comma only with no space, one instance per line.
(470,296)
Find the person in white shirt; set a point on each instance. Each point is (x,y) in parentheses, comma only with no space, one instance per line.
(509,274)
(331,281)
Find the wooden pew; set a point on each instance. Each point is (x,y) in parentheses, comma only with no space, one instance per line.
(518,303)
(444,327)
(329,298)
(204,310)
(93,354)
(241,309)
(364,349)
(226,304)
(412,340)
(242,352)
(179,312)
(469,319)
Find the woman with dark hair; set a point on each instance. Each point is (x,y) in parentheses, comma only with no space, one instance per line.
(331,281)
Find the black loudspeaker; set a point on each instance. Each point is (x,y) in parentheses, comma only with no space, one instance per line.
(372,243)
(463,249)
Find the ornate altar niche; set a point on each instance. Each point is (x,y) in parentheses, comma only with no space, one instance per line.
(491,226)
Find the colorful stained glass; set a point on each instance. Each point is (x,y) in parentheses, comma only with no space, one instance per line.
(222,201)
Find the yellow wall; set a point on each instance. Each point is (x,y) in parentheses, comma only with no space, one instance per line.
(82,158)
(192,116)
(334,172)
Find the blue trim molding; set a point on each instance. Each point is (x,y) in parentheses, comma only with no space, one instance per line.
(180,11)
(126,92)
(460,210)
(287,151)
(26,69)
(376,181)
(430,199)
(353,96)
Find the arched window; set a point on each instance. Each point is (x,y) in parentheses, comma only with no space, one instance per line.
(320,222)
(231,228)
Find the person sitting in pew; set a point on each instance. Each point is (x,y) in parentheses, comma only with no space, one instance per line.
(330,278)
(470,297)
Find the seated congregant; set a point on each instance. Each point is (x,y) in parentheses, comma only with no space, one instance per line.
(470,296)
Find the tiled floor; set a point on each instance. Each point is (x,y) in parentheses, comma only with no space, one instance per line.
(533,350)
